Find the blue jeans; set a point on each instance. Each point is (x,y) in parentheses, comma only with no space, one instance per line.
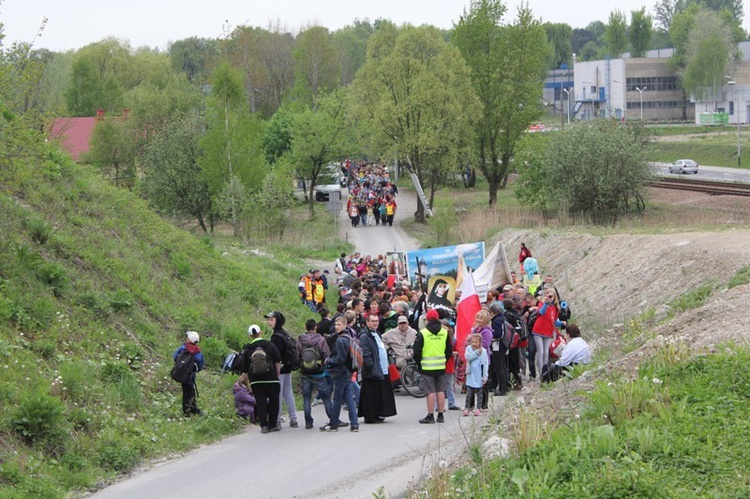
(342,392)
(308,384)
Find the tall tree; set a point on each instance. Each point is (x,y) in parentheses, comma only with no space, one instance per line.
(196,57)
(559,36)
(351,48)
(414,101)
(708,52)
(320,135)
(275,51)
(640,32)
(507,66)
(233,143)
(173,180)
(616,33)
(242,50)
(316,69)
(111,149)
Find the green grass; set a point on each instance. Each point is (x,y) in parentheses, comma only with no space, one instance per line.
(709,151)
(96,292)
(679,430)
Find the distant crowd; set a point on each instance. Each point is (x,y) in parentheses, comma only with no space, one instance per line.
(372,195)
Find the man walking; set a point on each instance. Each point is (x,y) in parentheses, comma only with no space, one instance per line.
(431,351)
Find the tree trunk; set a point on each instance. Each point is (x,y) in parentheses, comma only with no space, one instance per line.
(493,184)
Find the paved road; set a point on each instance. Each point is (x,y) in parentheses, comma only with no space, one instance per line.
(309,463)
(708,173)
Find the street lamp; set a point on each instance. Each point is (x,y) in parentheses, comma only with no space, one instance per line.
(736,110)
(640,91)
(567,92)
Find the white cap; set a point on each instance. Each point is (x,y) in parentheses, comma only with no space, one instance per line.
(193,337)
(253,330)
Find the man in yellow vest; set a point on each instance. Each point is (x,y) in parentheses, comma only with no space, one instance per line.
(431,350)
(318,289)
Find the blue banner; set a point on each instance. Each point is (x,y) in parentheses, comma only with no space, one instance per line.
(426,263)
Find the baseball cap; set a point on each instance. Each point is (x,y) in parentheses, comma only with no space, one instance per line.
(508,287)
(253,330)
(402,319)
(432,315)
(193,337)
(270,315)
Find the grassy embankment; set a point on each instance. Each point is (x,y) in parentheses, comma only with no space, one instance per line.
(96,292)
(678,430)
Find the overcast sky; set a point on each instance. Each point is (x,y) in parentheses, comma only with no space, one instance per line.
(74,23)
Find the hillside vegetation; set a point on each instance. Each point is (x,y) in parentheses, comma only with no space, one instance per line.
(96,292)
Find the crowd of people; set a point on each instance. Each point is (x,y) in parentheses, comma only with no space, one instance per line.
(352,355)
(372,196)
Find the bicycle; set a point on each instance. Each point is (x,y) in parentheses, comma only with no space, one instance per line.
(410,377)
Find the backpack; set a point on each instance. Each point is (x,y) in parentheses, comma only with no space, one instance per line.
(259,364)
(292,351)
(354,361)
(519,324)
(510,336)
(232,363)
(311,360)
(184,366)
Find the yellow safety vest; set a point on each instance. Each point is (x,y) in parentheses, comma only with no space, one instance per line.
(319,291)
(389,209)
(308,288)
(433,350)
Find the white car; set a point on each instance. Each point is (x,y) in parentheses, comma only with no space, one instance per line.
(329,184)
(684,166)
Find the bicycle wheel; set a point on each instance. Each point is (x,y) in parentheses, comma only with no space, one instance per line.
(410,380)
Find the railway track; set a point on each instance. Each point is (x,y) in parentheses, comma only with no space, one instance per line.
(713,187)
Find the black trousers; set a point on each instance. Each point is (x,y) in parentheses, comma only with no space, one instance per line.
(530,356)
(189,398)
(514,366)
(266,403)
(499,365)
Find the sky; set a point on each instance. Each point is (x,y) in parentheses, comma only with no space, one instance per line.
(72,24)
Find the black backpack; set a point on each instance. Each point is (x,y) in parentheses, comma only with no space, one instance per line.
(311,361)
(232,363)
(520,325)
(292,351)
(184,366)
(259,364)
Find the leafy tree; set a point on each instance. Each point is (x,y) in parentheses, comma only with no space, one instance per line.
(597,170)
(616,33)
(266,213)
(233,142)
(320,135)
(316,69)
(507,66)
(111,149)
(413,100)
(351,48)
(640,32)
(173,180)
(708,52)
(559,36)
(242,52)
(278,138)
(275,51)
(196,57)
(665,11)
(578,38)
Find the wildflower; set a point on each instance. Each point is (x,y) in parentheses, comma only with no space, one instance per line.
(657,381)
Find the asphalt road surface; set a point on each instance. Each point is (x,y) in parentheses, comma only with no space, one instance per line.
(300,463)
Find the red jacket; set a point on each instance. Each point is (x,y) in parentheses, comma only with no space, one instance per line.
(545,323)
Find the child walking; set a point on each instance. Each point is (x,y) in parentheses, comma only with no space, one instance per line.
(477,372)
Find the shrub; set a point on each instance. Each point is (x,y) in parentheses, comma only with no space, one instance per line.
(121,300)
(54,276)
(741,277)
(114,372)
(116,455)
(39,420)
(40,231)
